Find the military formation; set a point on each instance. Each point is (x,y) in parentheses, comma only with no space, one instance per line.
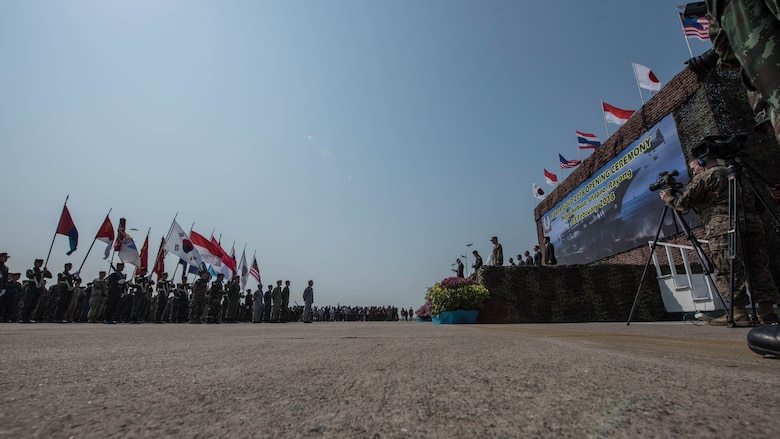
(121,298)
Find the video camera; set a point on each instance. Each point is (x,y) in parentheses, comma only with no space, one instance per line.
(666,182)
(721,147)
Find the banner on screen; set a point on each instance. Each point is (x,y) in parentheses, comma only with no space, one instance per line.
(614,210)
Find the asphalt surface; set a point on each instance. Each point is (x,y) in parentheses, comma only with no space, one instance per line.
(377,380)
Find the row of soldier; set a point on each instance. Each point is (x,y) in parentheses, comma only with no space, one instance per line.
(114,298)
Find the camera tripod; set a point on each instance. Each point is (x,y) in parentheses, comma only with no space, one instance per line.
(705,261)
(739,180)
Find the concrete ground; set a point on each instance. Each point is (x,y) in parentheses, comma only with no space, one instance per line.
(384,380)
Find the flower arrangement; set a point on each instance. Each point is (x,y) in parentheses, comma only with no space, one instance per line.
(424,312)
(456,293)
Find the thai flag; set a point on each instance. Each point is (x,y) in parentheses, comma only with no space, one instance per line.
(565,164)
(587,141)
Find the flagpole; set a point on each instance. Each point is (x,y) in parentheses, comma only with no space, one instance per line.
(46,264)
(605,119)
(93,243)
(682,27)
(641,96)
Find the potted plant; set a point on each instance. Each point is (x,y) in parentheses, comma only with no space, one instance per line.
(424,312)
(456,300)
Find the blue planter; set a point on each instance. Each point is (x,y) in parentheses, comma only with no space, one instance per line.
(423,319)
(456,316)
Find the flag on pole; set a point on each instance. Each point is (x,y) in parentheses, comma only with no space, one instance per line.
(120,234)
(694,21)
(646,78)
(227,262)
(538,192)
(587,140)
(615,115)
(179,244)
(143,257)
(566,164)
(159,262)
(67,228)
(205,249)
(255,272)
(551,178)
(244,269)
(106,235)
(128,252)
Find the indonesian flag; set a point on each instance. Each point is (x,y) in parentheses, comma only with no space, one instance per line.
(227,261)
(106,235)
(646,79)
(551,178)
(208,253)
(616,115)
(255,272)
(538,192)
(67,228)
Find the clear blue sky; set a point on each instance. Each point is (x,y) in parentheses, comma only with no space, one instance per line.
(361,144)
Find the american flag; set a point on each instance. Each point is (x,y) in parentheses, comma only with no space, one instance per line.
(695,26)
(587,140)
(565,164)
(255,271)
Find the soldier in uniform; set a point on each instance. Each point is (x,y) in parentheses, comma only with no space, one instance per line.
(199,297)
(98,299)
(139,302)
(4,279)
(285,311)
(115,288)
(498,253)
(707,192)
(308,299)
(257,305)
(163,290)
(276,302)
(215,299)
(35,287)
(477,261)
(234,296)
(184,290)
(267,299)
(65,284)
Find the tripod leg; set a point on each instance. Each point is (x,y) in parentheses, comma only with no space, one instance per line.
(647,263)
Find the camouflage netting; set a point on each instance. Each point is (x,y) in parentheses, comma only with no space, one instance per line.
(566,294)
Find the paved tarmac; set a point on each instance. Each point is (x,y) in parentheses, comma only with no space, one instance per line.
(385,380)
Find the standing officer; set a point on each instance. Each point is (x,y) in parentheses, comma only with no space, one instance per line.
(276,306)
(498,252)
(308,299)
(215,300)
(35,287)
(285,317)
(163,291)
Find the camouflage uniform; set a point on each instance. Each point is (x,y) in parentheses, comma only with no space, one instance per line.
(708,193)
(276,306)
(746,33)
(234,296)
(98,299)
(198,299)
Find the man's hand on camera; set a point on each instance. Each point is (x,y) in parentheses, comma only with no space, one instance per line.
(664,195)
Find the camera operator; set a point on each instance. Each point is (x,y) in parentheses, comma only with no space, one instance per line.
(708,194)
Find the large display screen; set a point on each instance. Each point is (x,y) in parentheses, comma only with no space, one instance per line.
(614,210)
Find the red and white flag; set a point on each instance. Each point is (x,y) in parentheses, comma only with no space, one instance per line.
(106,235)
(615,115)
(255,272)
(646,79)
(551,178)
(208,253)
